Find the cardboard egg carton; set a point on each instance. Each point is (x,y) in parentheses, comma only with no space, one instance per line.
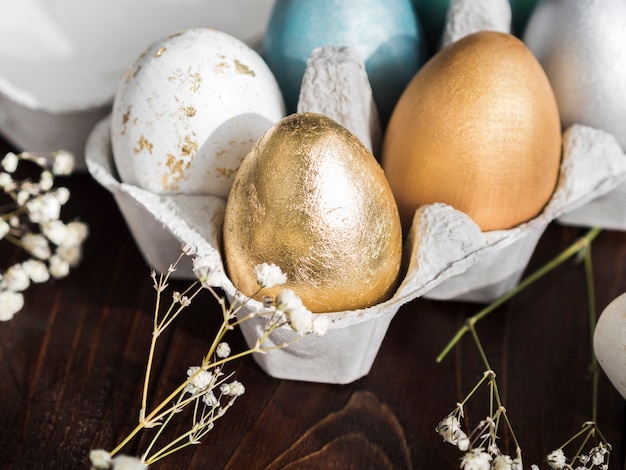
(446,256)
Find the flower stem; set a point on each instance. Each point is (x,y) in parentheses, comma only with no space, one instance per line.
(479,346)
(158,433)
(591,299)
(580,244)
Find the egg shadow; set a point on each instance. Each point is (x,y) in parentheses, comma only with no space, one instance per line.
(390,68)
(227,146)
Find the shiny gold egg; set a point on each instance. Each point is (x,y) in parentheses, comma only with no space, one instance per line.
(310,198)
(477,128)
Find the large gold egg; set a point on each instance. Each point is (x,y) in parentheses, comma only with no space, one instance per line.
(477,128)
(310,198)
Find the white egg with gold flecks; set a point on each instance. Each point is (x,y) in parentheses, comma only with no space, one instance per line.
(189,109)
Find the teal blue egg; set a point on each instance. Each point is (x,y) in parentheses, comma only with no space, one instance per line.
(386,33)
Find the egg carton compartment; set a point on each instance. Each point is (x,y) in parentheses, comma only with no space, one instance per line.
(593,165)
(60,64)
(445,254)
(606,212)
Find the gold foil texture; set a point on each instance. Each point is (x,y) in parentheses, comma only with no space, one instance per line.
(310,198)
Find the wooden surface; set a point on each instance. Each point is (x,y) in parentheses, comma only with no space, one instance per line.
(72,362)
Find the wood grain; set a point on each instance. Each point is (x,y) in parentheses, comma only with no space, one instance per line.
(72,362)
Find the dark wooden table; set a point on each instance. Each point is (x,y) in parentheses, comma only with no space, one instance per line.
(72,364)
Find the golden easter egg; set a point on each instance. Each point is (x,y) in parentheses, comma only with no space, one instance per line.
(311,199)
(477,128)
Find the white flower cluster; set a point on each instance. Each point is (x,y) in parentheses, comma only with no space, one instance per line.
(205,272)
(203,386)
(206,389)
(269,275)
(102,460)
(31,220)
(486,455)
(481,451)
(299,318)
(597,457)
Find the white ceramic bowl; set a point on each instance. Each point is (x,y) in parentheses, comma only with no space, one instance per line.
(61,60)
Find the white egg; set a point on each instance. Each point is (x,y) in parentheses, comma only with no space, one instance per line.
(580,44)
(609,342)
(188,111)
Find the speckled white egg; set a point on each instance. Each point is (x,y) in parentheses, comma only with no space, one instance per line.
(188,111)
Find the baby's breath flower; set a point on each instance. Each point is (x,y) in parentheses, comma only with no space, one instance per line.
(493,447)
(9,162)
(502,462)
(184,301)
(201,382)
(22,197)
(37,245)
(46,181)
(76,233)
(62,195)
(4,228)
(476,459)
(209,399)
(321,323)
(36,270)
(10,303)
(59,267)
(287,300)
(298,316)
(55,231)
(125,462)
(463,442)
(16,278)
(449,429)
(269,275)
(72,255)
(517,464)
(205,272)
(43,208)
(597,454)
(233,389)
(5,180)
(556,459)
(300,319)
(222,350)
(63,163)
(100,459)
